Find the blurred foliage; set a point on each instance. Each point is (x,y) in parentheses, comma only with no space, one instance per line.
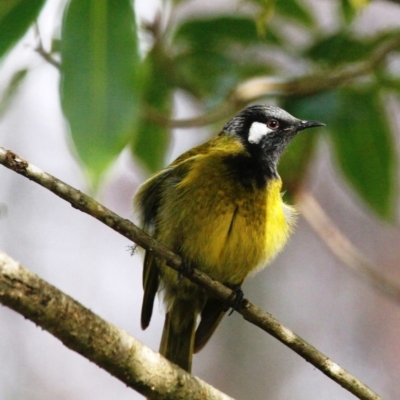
(114,98)
(361,139)
(150,139)
(100,80)
(359,125)
(16,16)
(11,88)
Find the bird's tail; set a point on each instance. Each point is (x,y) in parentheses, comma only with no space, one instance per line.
(178,334)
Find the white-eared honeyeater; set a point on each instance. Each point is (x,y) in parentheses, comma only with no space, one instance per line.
(219,207)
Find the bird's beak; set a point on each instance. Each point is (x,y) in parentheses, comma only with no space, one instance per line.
(309,124)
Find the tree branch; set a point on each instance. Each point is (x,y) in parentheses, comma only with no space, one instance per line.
(42,52)
(261,87)
(110,348)
(248,310)
(341,247)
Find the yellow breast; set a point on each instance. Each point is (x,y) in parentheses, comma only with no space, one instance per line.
(221,227)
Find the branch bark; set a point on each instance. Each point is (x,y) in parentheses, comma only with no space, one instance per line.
(110,348)
(248,310)
(261,87)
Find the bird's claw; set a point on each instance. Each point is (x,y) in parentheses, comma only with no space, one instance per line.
(238,296)
(184,270)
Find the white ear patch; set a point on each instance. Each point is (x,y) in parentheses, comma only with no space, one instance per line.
(257,132)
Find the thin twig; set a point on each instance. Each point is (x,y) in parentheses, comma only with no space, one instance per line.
(261,87)
(248,310)
(82,331)
(341,247)
(41,50)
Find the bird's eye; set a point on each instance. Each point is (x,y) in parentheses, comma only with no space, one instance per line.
(273,124)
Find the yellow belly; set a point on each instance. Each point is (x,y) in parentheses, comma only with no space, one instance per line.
(227,231)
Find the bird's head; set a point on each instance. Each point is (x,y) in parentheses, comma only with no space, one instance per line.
(265,131)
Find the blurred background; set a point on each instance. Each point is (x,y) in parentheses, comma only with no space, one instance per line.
(105,118)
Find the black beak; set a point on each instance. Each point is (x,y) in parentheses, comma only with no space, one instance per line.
(309,124)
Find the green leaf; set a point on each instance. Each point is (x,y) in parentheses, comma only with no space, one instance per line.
(386,36)
(350,8)
(338,49)
(205,73)
(295,161)
(219,32)
(319,107)
(151,138)
(390,83)
(100,82)
(296,11)
(364,147)
(262,10)
(210,75)
(11,89)
(214,54)
(361,139)
(16,16)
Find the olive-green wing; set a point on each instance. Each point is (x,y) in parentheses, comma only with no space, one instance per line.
(211,316)
(147,200)
(150,285)
(146,203)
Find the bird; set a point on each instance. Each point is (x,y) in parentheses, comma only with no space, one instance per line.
(219,206)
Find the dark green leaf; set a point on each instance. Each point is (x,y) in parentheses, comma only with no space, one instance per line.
(364,147)
(151,138)
(351,8)
(361,139)
(319,107)
(220,32)
(262,11)
(348,10)
(205,73)
(386,36)
(55,46)
(16,16)
(296,11)
(389,83)
(339,49)
(296,159)
(151,143)
(11,89)
(214,54)
(99,82)
(211,75)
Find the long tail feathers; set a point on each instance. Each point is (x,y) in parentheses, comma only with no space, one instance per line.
(150,285)
(211,316)
(178,335)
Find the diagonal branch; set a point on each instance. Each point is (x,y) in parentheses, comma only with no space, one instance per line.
(341,247)
(261,87)
(267,86)
(248,310)
(82,331)
(42,52)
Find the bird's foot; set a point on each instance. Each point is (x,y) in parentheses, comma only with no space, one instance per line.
(237,296)
(184,270)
